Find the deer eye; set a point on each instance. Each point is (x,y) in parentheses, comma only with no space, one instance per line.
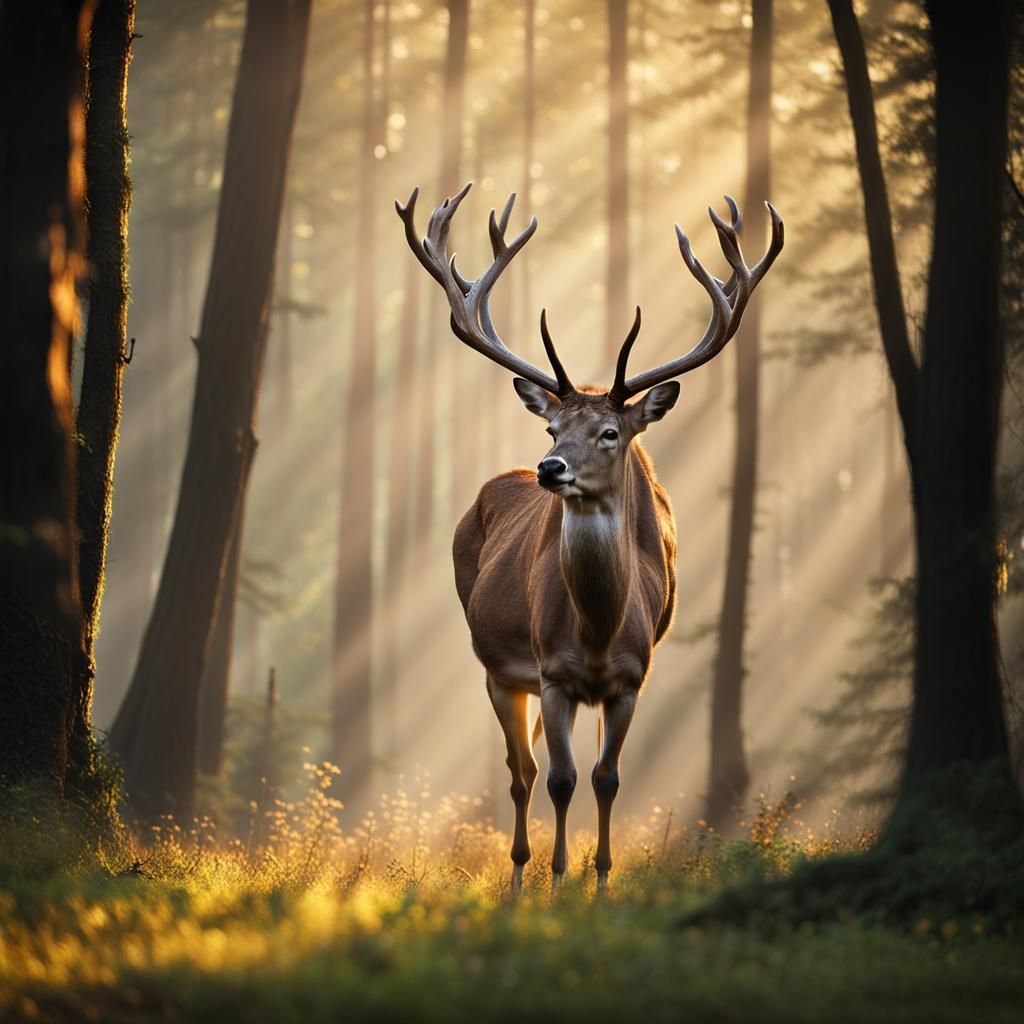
(610,435)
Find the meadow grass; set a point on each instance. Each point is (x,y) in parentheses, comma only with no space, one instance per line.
(408,918)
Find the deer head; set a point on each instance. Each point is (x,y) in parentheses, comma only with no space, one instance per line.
(592,430)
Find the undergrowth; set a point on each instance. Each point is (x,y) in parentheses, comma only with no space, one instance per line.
(408,917)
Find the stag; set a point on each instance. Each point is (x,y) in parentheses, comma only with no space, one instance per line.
(567,574)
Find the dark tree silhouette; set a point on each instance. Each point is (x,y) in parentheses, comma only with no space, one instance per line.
(41,177)
(353,596)
(213,694)
(958,702)
(156,727)
(617,282)
(949,405)
(728,777)
(108,195)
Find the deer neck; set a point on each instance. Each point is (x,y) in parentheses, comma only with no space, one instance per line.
(597,560)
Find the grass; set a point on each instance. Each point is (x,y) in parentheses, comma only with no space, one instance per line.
(407,919)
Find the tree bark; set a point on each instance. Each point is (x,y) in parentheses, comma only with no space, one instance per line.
(213,694)
(155,730)
(41,178)
(728,776)
(949,407)
(617,283)
(108,196)
(958,710)
(351,728)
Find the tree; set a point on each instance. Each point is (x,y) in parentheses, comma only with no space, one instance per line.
(98,420)
(949,402)
(958,701)
(156,727)
(213,693)
(728,777)
(41,177)
(351,746)
(617,283)
(529,139)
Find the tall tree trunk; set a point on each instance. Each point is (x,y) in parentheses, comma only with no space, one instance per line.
(958,704)
(400,490)
(41,177)
(155,730)
(728,777)
(949,408)
(529,138)
(399,467)
(448,183)
(644,212)
(351,740)
(885,273)
(213,694)
(617,283)
(283,277)
(108,195)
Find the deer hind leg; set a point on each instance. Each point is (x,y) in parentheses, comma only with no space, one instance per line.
(510,707)
(618,713)
(559,713)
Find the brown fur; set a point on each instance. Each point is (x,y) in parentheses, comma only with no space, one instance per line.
(591,624)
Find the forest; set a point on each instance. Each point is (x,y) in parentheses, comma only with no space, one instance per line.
(333,687)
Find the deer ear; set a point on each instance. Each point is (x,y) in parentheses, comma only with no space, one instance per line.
(540,402)
(653,406)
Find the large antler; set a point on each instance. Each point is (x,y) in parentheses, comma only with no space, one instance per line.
(469,300)
(728,302)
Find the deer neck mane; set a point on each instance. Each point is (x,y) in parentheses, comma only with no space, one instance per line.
(597,556)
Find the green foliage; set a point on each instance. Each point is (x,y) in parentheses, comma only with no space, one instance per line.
(863,730)
(260,756)
(43,834)
(950,853)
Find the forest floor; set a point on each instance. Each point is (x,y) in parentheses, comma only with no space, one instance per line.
(409,919)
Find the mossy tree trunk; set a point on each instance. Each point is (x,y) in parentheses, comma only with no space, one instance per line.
(41,177)
(728,776)
(155,732)
(108,195)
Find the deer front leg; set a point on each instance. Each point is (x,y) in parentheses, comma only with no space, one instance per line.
(559,713)
(618,713)
(510,707)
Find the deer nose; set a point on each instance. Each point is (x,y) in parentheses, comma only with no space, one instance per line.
(551,468)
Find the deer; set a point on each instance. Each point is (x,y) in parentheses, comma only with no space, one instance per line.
(566,574)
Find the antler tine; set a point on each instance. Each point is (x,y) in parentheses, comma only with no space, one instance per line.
(774,246)
(505,214)
(728,301)
(468,300)
(407,215)
(565,386)
(618,392)
(496,233)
